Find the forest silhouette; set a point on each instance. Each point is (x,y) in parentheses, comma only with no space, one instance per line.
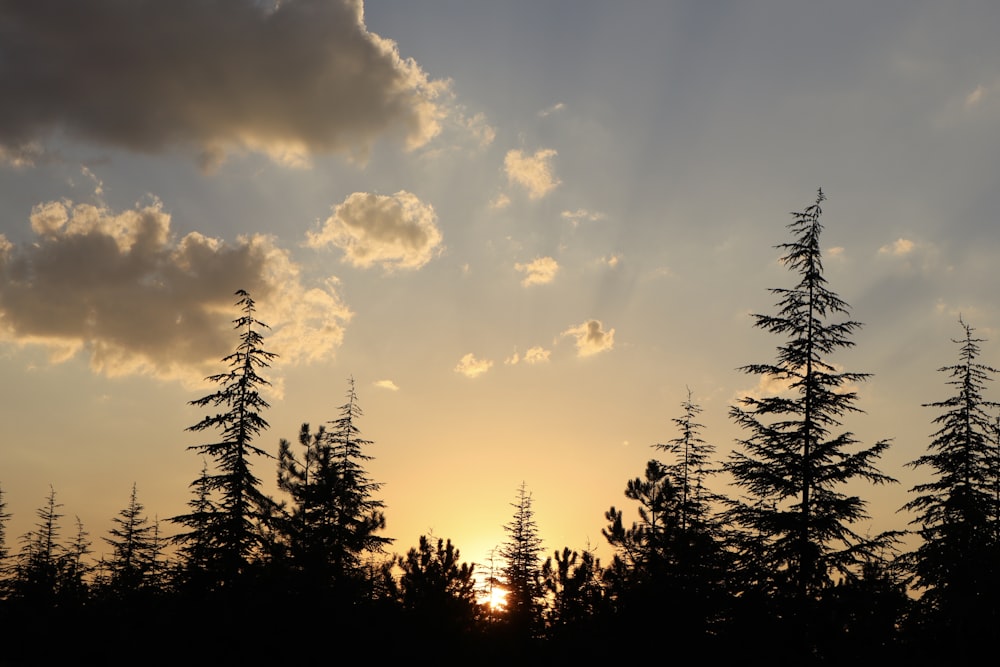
(773,567)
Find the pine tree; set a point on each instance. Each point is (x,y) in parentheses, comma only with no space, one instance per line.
(437,585)
(522,565)
(673,552)
(791,464)
(958,561)
(4,552)
(194,546)
(643,547)
(335,517)
(490,585)
(689,470)
(573,580)
(74,570)
(231,535)
(132,541)
(36,578)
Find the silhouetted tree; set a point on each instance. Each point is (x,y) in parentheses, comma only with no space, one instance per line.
(522,565)
(232,534)
(75,570)
(864,614)
(194,545)
(791,464)
(697,565)
(577,598)
(642,546)
(672,552)
(437,586)
(133,549)
(689,469)
(4,551)
(958,562)
(490,584)
(37,569)
(334,518)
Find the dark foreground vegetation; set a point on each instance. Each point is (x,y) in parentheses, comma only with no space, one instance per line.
(772,572)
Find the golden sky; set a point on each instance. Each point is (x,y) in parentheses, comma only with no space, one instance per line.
(525,229)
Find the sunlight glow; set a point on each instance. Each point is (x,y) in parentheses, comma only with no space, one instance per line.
(495,599)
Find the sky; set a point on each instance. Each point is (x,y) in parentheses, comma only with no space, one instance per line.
(525,229)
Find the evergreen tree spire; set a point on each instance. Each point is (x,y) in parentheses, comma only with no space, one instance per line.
(522,563)
(957,561)
(792,464)
(232,532)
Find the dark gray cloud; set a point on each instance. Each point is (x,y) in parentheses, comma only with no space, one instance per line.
(120,288)
(289,78)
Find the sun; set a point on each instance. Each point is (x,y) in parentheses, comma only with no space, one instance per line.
(495,599)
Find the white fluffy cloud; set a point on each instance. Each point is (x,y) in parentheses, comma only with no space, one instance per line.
(537,355)
(394,231)
(534,355)
(591,338)
(121,289)
(538,271)
(532,172)
(290,78)
(386,384)
(471,367)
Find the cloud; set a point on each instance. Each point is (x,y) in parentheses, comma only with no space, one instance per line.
(534,355)
(975,97)
(539,271)
(502,201)
(575,217)
(537,355)
(290,79)
(769,385)
(24,155)
(394,231)
(479,128)
(386,384)
(612,261)
(898,248)
(591,338)
(558,106)
(532,172)
(471,367)
(119,288)
(908,257)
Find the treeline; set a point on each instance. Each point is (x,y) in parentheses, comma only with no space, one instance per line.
(774,570)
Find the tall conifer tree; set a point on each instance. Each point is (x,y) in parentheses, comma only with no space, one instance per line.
(37,570)
(131,539)
(522,564)
(958,561)
(796,517)
(232,532)
(4,517)
(335,516)
(689,470)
